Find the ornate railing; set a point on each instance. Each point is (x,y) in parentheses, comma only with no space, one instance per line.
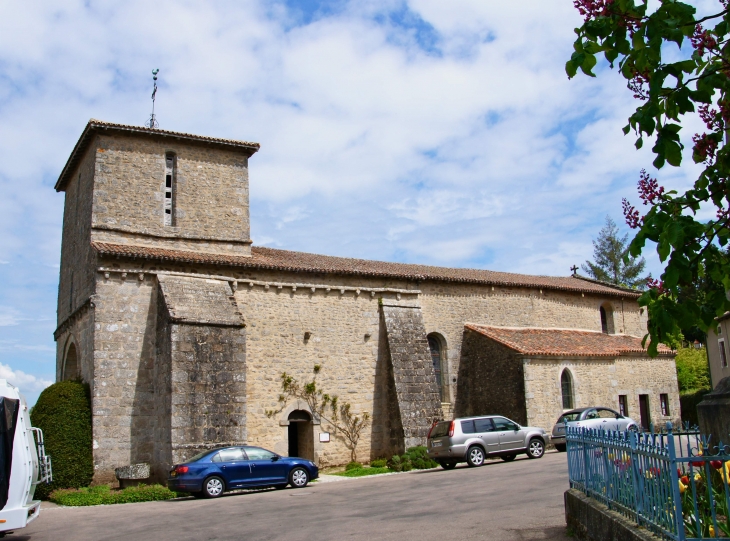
(674,484)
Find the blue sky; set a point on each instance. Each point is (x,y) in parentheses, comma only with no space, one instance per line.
(417,131)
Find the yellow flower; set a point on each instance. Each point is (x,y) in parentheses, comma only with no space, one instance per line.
(725,472)
(698,478)
(682,487)
(712,531)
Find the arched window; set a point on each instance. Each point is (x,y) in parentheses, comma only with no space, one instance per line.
(71,364)
(168,202)
(566,389)
(606,319)
(434,344)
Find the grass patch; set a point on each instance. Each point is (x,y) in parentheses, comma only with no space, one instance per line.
(363,471)
(104,495)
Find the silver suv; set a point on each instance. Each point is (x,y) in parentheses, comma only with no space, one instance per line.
(473,439)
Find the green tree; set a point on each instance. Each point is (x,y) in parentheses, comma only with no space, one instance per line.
(693,371)
(63,413)
(676,64)
(612,262)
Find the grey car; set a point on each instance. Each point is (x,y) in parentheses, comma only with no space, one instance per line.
(473,439)
(596,417)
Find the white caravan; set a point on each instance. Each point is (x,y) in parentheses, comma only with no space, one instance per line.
(23,461)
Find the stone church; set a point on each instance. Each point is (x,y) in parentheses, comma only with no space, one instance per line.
(182,328)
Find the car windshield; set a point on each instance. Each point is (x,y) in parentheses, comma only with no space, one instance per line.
(441,429)
(199,456)
(569,417)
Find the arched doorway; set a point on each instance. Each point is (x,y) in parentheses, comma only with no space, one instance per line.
(71,364)
(301,434)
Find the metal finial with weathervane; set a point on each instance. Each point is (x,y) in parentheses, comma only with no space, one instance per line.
(152,122)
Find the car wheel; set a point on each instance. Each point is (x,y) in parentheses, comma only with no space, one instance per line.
(213,487)
(508,458)
(299,478)
(475,456)
(536,448)
(560,447)
(448,465)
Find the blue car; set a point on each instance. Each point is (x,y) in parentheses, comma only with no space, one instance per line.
(211,473)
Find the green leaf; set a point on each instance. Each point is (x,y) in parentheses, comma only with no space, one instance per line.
(639,143)
(589,62)
(673,153)
(571,68)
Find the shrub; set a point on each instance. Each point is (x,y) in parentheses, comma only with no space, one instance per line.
(63,412)
(379,463)
(415,458)
(693,371)
(104,495)
(353,466)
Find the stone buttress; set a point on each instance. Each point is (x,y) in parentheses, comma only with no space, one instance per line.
(417,396)
(200,369)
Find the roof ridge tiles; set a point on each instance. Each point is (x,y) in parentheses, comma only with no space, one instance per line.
(563,342)
(276,259)
(94,126)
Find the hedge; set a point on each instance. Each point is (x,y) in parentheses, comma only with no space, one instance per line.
(63,413)
(104,495)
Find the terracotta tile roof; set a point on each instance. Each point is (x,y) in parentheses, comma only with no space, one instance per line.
(563,342)
(99,126)
(272,259)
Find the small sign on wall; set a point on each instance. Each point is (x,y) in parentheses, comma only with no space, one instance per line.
(324,437)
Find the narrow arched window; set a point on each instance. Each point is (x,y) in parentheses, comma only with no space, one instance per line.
(434,344)
(168,202)
(566,389)
(607,326)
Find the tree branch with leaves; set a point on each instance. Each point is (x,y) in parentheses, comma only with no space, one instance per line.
(324,407)
(695,82)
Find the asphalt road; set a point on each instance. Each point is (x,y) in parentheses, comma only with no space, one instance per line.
(499,501)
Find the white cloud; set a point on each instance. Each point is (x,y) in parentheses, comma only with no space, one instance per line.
(474,150)
(27,383)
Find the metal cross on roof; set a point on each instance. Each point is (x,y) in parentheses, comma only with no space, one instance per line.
(152,122)
(574,268)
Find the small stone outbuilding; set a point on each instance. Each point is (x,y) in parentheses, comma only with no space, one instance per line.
(534,374)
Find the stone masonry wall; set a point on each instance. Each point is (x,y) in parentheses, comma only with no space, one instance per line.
(211,196)
(447,307)
(79,330)
(418,401)
(347,339)
(599,382)
(491,380)
(123,397)
(78,262)
(343,339)
(207,360)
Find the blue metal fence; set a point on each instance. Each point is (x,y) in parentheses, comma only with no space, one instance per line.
(674,484)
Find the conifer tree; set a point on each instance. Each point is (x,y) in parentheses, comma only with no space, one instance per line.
(611,265)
